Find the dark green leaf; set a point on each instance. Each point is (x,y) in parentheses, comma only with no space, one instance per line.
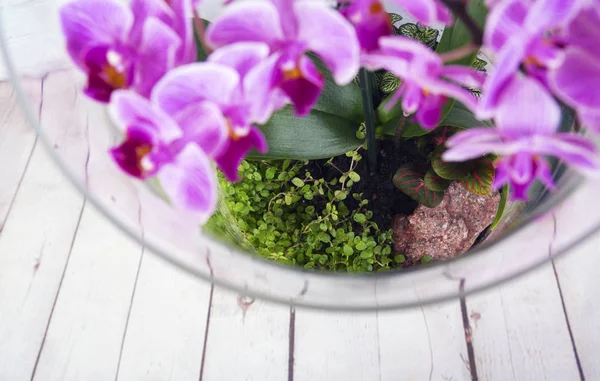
(384,114)
(503,199)
(457,34)
(449,170)
(413,130)
(394,18)
(319,135)
(201,53)
(409,30)
(435,182)
(410,180)
(388,83)
(460,116)
(479,64)
(481,177)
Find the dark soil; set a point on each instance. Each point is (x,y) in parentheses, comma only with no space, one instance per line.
(385,199)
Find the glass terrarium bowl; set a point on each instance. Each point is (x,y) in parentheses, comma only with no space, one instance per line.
(78,134)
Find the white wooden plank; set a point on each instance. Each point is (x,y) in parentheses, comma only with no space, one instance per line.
(336,346)
(34,247)
(417,344)
(579,282)
(165,334)
(248,339)
(520,332)
(85,333)
(17,139)
(425,343)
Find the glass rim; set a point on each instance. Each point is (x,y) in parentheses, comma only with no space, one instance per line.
(332,277)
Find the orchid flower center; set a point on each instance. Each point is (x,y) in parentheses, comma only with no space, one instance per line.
(133,155)
(534,61)
(291,74)
(426,92)
(376,8)
(114,71)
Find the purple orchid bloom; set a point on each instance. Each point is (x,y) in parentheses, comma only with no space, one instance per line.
(157,145)
(426,82)
(291,29)
(370,21)
(517,32)
(234,81)
(527,121)
(120,47)
(577,79)
(427,12)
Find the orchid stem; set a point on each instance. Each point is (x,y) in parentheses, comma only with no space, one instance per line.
(200,30)
(459,8)
(458,53)
(366,91)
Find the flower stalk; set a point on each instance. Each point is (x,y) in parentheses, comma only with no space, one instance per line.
(459,8)
(366,90)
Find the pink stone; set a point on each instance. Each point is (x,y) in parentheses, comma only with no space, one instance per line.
(447,230)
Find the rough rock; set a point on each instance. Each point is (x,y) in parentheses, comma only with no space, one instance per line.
(447,230)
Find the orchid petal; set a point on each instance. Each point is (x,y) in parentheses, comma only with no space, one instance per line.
(143,10)
(574,150)
(411,98)
(543,173)
(590,119)
(505,21)
(506,65)
(515,114)
(261,91)
(230,160)
(549,14)
(130,109)
(429,113)
(339,49)
(157,54)
(289,20)
(464,76)
(426,11)
(304,86)
(194,83)
(241,56)
(190,182)
(204,124)
(577,80)
(472,143)
(182,10)
(87,23)
(584,30)
(249,20)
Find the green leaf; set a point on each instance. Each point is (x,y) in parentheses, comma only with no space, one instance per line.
(479,64)
(413,130)
(409,30)
(394,18)
(360,218)
(389,83)
(449,170)
(481,177)
(329,130)
(384,114)
(457,34)
(400,258)
(354,176)
(319,135)
(503,199)
(426,259)
(460,116)
(410,180)
(297,182)
(435,182)
(427,35)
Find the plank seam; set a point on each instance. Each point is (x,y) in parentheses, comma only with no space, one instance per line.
(292,343)
(468,331)
(564,307)
(137,275)
(204,346)
(62,277)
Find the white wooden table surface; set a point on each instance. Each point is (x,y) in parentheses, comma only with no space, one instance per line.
(80,301)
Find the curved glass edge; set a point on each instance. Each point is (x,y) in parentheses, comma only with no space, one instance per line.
(359,279)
